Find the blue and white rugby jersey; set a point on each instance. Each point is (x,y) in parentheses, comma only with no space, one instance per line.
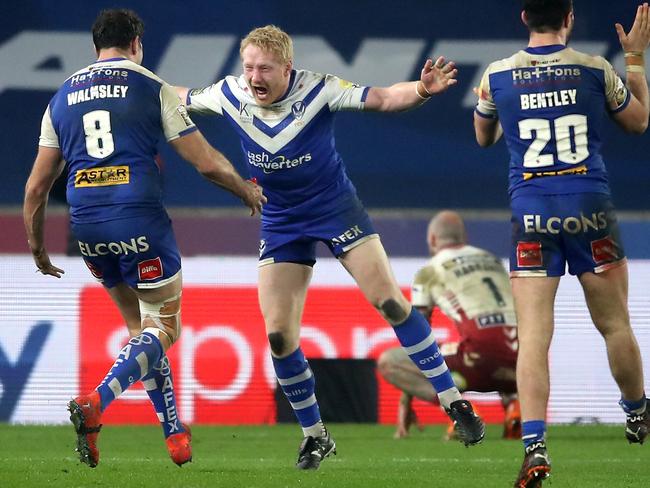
(289,145)
(551,102)
(107,119)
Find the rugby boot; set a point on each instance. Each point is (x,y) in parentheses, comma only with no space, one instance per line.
(469,426)
(451,434)
(85,415)
(637,427)
(512,421)
(313,450)
(179,446)
(535,468)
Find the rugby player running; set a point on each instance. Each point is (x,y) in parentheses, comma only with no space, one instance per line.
(106,121)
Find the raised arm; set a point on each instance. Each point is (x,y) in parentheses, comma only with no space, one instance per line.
(435,78)
(634,118)
(217,169)
(47,168)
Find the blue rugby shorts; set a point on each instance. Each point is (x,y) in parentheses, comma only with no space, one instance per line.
(295,241)
(140,251)
(550,232)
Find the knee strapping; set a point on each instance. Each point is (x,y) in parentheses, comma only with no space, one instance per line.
(163,316)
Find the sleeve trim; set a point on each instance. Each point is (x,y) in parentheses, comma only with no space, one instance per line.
(624,105)
(485,116)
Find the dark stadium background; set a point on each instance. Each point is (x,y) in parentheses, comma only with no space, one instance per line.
(405,166)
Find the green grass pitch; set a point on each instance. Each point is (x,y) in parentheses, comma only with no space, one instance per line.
(263,457)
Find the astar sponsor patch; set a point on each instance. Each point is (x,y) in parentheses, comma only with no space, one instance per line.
(104,176)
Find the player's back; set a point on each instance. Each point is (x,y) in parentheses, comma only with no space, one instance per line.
(551,102)
(470,286)
(107,119)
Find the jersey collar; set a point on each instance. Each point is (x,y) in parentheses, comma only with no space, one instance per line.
(553,48)
(110,59)
(292,80)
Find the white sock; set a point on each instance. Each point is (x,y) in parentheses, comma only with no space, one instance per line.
(449,396)
(316,430)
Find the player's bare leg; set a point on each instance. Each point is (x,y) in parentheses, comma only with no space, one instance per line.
(534,298)
(369,266)
(282,289)
(606,295)
(398,369)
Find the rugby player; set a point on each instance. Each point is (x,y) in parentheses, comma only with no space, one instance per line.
(471,287)
(550,102)
(106,121)
(284,118)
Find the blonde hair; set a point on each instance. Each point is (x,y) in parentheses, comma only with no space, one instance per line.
(271,39)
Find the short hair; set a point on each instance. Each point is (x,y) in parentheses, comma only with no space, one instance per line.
(546,15)
(116,28)
(448,227)
(271,39)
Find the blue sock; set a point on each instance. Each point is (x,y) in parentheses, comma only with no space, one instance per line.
(533,431)
(298,384)
(134,361)
(633,407)
(160,387)
(418,341)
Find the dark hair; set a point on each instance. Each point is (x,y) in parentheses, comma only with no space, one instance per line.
(116,28)
(546,15)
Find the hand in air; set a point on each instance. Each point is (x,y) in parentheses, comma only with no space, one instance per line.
(638,38)
(44,264)
(437,77)
(253,197)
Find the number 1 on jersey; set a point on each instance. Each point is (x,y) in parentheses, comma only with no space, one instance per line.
(99,139)
(494,289)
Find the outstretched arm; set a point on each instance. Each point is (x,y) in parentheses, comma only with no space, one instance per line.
(435,78)
(634,118)
(47,168)
(216,168)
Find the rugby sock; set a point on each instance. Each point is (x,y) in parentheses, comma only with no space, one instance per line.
(533,431)
(633,407)
(160,387)
(298,383)
(418,341)
(134,361)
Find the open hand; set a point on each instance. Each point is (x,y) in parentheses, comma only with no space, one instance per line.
(638,38)
(437,77)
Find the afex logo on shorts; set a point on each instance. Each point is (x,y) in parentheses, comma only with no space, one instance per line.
(150,269)
(106,176)
(604,250)
(529,254)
